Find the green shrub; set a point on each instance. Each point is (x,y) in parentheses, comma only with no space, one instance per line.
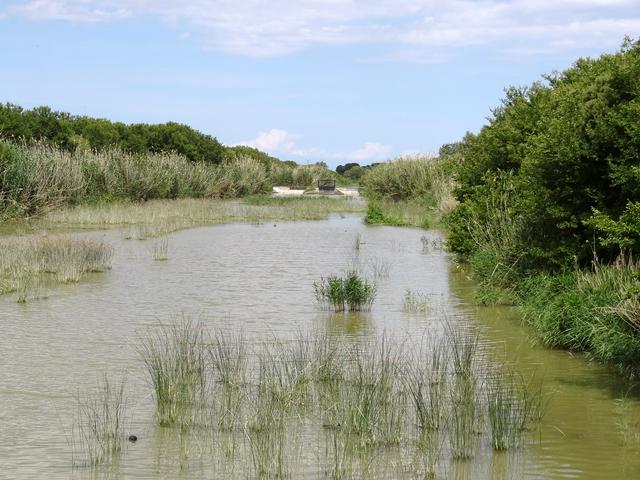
(571,148)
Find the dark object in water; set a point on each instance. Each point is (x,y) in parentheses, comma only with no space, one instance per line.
(133,438)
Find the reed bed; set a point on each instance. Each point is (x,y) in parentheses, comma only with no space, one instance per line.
(156,218)
(354,402)
(28,263)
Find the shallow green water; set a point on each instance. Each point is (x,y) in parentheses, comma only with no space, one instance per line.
(259,279)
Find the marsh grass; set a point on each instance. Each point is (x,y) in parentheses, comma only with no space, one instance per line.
(463,347)
(26,264)
(175,357)
(100,427)
(415,302)
(160,250)
(463,421)
(378,268)
(351,292)
(364,400)
(155,218)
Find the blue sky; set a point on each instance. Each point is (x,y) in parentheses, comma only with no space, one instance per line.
(306,80)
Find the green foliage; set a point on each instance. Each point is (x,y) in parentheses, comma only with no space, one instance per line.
(72,133)
(571,147)
(623,233)
(596,312)
(352,292)
(376,216)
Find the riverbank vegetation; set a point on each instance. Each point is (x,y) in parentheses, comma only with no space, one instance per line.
(51,159)
(38,178)
(415,191)
(548,198)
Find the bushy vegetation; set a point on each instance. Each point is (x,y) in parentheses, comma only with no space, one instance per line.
(595,311)
(549,197)
(49,159)
(72,133)
(561,160)
(354,171)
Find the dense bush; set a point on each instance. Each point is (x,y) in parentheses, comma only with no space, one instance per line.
(72,133)
(571,147)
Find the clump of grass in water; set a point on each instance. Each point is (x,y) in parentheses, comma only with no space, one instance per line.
(99,433)
(161,250)
(426,387)
(266,435)
(24,263)
(464,418)
(358,292)
(352,292)
(505,413)
(175,358)
(414,302)
(463,346)
(228,358)
(330,291)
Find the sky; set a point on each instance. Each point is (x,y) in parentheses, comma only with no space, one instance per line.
(306,80)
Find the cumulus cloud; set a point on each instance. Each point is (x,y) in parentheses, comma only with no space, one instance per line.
(275,140)
(369,152)
(283,143)
(408,30)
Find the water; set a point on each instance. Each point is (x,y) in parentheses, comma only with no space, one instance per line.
(259,278)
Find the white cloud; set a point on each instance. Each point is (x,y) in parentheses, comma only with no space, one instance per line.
(370,152)
(273,141)
(405,30)
(283,143)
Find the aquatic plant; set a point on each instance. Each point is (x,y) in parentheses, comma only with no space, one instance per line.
(352,292)
(161,249)
(366,398)
(155,218)
(331,291)
(26,263)
(100,426)
(414,302)
(464,418)
(175,357)
(359,293)
(463,346)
